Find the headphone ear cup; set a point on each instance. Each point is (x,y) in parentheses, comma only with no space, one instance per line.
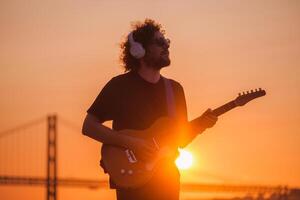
(136,49)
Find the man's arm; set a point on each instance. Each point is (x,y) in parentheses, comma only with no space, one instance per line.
(196,127)
(93,128)
(190,129)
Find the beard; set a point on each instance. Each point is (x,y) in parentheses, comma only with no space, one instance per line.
(158,63)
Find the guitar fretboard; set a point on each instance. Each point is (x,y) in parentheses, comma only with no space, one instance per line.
(196,125)
(223,109)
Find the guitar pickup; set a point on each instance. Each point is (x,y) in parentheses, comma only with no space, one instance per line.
(130,155)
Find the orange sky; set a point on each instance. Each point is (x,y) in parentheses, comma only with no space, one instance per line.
(55,56)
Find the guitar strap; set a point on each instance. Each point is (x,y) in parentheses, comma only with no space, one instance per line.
(170,98)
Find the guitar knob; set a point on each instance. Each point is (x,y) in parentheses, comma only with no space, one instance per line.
(122,171)
(130,172)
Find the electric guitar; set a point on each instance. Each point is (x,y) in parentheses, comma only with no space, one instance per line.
(127,171)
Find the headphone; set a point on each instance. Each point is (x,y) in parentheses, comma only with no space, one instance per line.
(136,48)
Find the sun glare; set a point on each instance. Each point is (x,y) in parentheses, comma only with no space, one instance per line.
(185,159)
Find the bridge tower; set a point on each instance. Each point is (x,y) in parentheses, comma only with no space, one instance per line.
(52,158)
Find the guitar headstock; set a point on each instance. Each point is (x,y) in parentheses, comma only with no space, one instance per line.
(245,97)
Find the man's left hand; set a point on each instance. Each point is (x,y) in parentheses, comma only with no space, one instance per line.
(208,119)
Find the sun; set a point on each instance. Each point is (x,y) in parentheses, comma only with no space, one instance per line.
(184,160)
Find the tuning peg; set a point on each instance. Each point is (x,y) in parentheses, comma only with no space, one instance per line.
(259,89)
(247,92)
(240,94)
(256,90)
(243,93)
(251,91)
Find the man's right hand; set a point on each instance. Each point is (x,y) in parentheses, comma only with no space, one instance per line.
(142,148)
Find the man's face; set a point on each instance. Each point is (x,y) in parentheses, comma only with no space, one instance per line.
(157,53)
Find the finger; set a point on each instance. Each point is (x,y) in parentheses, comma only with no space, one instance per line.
(148,154)
(149,148)
(211,117)
(144,155)
(210,121)
(207,111)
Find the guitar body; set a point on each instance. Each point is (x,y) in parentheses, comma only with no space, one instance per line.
(125,169)
(124,173)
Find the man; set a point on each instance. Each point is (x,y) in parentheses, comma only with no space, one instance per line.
(135,100)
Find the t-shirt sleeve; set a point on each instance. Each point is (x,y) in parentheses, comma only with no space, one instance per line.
(105,105)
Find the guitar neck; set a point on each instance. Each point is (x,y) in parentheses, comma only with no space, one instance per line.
(195,126)
(225,108)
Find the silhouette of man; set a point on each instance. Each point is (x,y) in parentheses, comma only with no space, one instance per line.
(135,100)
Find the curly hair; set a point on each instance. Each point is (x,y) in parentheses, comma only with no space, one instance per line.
(142,33)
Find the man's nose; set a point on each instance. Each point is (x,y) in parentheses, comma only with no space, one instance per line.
(167,43)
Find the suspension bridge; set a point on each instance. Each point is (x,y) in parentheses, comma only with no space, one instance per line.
(37,141)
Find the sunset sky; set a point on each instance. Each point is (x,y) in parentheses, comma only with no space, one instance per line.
(55,57)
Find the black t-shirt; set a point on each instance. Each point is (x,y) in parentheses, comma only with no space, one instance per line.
(134,103)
